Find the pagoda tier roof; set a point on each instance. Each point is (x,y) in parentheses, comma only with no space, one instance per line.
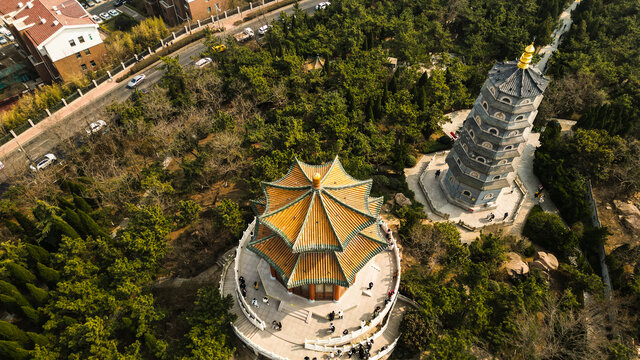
(317,225)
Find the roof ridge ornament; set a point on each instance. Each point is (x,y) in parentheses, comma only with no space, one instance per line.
(526,57)
(316,180)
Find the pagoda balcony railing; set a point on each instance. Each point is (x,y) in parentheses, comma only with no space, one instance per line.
(257,348)
(246,309)
(315,343)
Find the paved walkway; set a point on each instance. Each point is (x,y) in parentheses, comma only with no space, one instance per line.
(303,319)
(565,25)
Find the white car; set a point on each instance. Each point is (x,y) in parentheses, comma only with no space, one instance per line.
(94,127)
(136,81)
(3,40)
(322,5)
(105,16)
(203,62)
(43,162)
(97,1)
(114,12)
(10,37)
(97,19)
(263,29)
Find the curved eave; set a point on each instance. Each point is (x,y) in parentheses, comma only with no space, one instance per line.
(283,275)
(263,219)
(357,229)
(364,262)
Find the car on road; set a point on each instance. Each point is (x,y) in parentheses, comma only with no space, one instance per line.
(97,19)
(96,126)
(10,37)
(119,3)
(3,40)
(323,5)
(219,48)
(136,81)
(97,1)
(203,62)
(90,3)
(114,12)
(43,162)
(263,29)
(244,35)
(105,16)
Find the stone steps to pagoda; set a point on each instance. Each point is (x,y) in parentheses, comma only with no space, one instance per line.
(300,314)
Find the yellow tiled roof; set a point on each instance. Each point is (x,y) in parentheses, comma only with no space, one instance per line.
(313,214)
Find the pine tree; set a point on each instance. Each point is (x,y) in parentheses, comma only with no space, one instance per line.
(377,108)
(92,227)
(64,203)
(20,273)
(64,229)
(38,254)
(12,350)
(423,80)
(81,203)
(72,218)
(37,339)
(10,290)
(370,115)
(32,314)
(48,275)
(29,227)
(39,295)
(13,227)
(9,304)
(9,331)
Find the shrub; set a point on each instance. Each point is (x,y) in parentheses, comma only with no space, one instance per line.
(11,332)
(37,339)
(38,254)
(188,213)
(20,273)
(228,216)
(12,350)
(548,231)
(39,295)
(92,227)
(47,274)
(32,314)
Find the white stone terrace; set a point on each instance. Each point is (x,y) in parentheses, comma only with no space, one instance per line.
(305,326)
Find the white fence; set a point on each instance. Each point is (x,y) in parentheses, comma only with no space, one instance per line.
(255,347)
(335,341)
(246,309)
(386,351)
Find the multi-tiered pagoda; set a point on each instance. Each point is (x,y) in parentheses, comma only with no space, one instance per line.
(493,134)
(316,228)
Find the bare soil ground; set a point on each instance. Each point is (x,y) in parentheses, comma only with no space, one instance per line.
(620,235)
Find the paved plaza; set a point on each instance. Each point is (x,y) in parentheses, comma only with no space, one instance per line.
(305,319)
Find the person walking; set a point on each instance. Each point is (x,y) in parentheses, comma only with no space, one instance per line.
(340,314)
(332,328)
(506,215)
(437,172)
(256,286)
(362,323)
(244,293)
(265,300)
(254,302)
(332,315)
(279,325)
(274,324)
(370,286)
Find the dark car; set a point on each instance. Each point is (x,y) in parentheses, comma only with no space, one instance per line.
(119,3)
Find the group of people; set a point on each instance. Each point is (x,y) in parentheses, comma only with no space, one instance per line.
(539,195)
(276,325)
(492,216)
(333,315)
(363,350)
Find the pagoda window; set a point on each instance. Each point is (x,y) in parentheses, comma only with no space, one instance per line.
(508,147)
(465,147)
(493,131)
(466,193)
(485,106)
(475,174)
(499,115)
(514,133)
(525,102)
(487,197)
(520,117)
(451,179)
(473,136)
(502,162)
(487,145)
(492,90)
(506,100)
(497,177)
(458,161)
(481,159)
(477,119)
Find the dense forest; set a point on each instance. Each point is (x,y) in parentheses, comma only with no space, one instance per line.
(181,161)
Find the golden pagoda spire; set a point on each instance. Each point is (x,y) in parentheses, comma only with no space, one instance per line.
(316,180)
(525,59)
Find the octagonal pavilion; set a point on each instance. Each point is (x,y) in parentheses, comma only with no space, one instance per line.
(316,228)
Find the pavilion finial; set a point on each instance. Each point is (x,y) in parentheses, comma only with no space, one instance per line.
(526,57)
(316,180)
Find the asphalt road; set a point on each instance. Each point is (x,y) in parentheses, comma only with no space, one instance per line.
(71,128)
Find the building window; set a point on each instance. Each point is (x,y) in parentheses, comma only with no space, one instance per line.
(520,117)
(514,133)
(93,63)
(506,100)
(477,119)
(84,67)
(481,159)
(508,147)
(487,145)
(473,136)
(87,52)
(493,131)
(72,42)
(466,193)
(81,39)
(458,161)
(502,162)
(475,174)
(497,177)
(485,106)
(209,9)
(487,197)
(492,90)
(526,101)
(451,179)
(499,116)
(78,55)
(465,147)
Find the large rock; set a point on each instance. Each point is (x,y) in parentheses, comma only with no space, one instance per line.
(514,265)
(630,215)
(545,262)
(402,200)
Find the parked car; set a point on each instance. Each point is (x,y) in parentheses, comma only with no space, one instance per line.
(219,48)
(244,35)
(43,162)
(114,12)
(203,62)
(94,127)
(136,81)
(119,3)
(90,3)
(97,1)
(263,29)
(97,19)
(323,5)
(10,37)
(105,16)
(3,40)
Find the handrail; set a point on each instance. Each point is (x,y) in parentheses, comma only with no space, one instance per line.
(246,309)
(255,346)
(375,321)
(386,351)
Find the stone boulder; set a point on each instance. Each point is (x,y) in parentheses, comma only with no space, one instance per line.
(402,200)
(630,215)
(545,262)
(514,265)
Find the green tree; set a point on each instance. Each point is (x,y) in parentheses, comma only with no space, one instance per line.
(228,217)
(11,332)
(20,274)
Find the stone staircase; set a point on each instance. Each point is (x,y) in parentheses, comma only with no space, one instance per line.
(300,314)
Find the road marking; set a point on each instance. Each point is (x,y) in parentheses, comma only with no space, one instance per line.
(40,144)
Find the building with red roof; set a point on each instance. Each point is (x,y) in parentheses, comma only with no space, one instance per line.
(60,38)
